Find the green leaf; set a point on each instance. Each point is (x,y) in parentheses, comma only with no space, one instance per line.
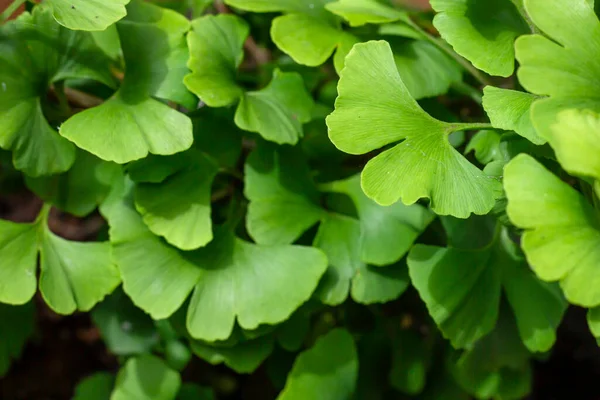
(486,145)
(462,290)
(307,40)
(497,366)
(374,109)
(146,378)
(81,189)
(561,63)
(95,387)
(361,12)
(74,275)
(17,327)
(510,110)
(124,328)
(18,250)
(216,51)
(326,371)
(227,265)
(593,320)
(575,139)
(88,15)
(131,123)
(279,5)
(278,111)
(339,238)
(410,362)
(482,32)
(179,208)
(243,358)
(425,70)
(34,53)
(387,233)
(562,230)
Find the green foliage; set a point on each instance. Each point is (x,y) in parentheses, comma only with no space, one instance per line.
(272,176)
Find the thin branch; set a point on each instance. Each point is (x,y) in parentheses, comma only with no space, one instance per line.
(11,9)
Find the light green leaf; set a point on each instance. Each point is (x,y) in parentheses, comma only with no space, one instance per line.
(131,123)
(80,190)
(575,139)
(561,63)
(145,126)
(216,51)
(278,111)
(345,43)
(361,12)
(486,145)
(387,233)
(374,109)
(510,110)
(124,328)
(284,201)
(146,378)
(179,207)
(327,371)
(18,250)
(244,357)
(74,275)
(425,70)
(339,238)
(400,29)
(34,52)
(233,279)
(312,8)
(17,327)
(88,15)
(307,40)
(95,387)
(482,32)
(562,230)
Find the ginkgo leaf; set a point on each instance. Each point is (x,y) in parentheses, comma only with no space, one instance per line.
(561,63)
(361,12)
(95,387)
(562,231)
(482,32)
(593,320)
(386,233)
(374,109)
(146,377)
(462,291)
(575,139)
(81,189)
(131,123)
(278,111)
(410,361)
(486,145)
(510,110)
(178,208)
(74,275)
(278,5)
(326,371)
(35,52)
(232,279)
(88,15)
(216,51)
(18,324)
(339,237)
(425,70)
(244,357)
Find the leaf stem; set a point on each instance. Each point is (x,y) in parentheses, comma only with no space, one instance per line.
(10,10)
(439,43)
(468,126)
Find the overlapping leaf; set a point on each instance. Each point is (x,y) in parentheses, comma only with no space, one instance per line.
(375,109)
(462,290)
(326,371)
(88,15)
(146,377)
(361,12)
(17,327)
(231,279)
(276,112)
(562,230)
(36,52)
(74,275)
(132,123)
(561,63)
(481,31)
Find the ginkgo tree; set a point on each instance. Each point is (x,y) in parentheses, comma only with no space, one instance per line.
(348,198)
